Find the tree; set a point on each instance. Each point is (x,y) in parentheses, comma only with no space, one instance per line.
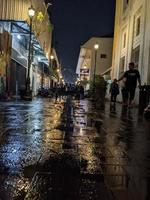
(98,90)
(40,24)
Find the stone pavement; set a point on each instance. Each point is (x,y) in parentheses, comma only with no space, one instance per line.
(125,146)
(54,151)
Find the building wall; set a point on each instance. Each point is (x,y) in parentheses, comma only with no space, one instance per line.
(104,54)
(18,10)
(131,38)
(84,59)
(116,38)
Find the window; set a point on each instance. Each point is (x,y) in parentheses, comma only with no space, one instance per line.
(121,67)
(125,4)
(103,56)
(135,56)
(138,26)
(124,40)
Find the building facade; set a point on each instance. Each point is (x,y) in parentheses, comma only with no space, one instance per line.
(14,32)
(90,59)
(131,38)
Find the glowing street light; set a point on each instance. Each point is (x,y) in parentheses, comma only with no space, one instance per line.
(96,46)
(52,57)
(31,12)
(63,81)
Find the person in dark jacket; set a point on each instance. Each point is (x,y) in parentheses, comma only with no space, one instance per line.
(114,90)
(132,76)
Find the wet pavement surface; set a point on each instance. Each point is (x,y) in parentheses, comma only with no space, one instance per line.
(60,150)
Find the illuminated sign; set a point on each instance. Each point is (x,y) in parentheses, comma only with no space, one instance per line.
(84,71)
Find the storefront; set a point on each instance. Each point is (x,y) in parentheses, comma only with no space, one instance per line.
(17,78)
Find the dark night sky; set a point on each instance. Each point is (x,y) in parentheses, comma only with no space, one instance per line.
(76,21)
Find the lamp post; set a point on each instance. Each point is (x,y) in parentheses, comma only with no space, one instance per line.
(31,13)
(96,47)
(51,61)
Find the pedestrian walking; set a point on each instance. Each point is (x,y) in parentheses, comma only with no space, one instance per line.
(114,90)
(81,92)
(131,77)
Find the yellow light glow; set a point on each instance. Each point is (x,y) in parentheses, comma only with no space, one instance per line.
(31,11)
(51,57)
(96,46)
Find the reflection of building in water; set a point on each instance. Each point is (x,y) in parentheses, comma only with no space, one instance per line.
(113,166)
(131,38)
(114,160)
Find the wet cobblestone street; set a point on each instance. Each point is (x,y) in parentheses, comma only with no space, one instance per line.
(29,134)
(56,151)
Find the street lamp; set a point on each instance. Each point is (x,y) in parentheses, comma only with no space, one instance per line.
(63,81)
(51,60)
(31,13)
(96,47)
(52,57)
